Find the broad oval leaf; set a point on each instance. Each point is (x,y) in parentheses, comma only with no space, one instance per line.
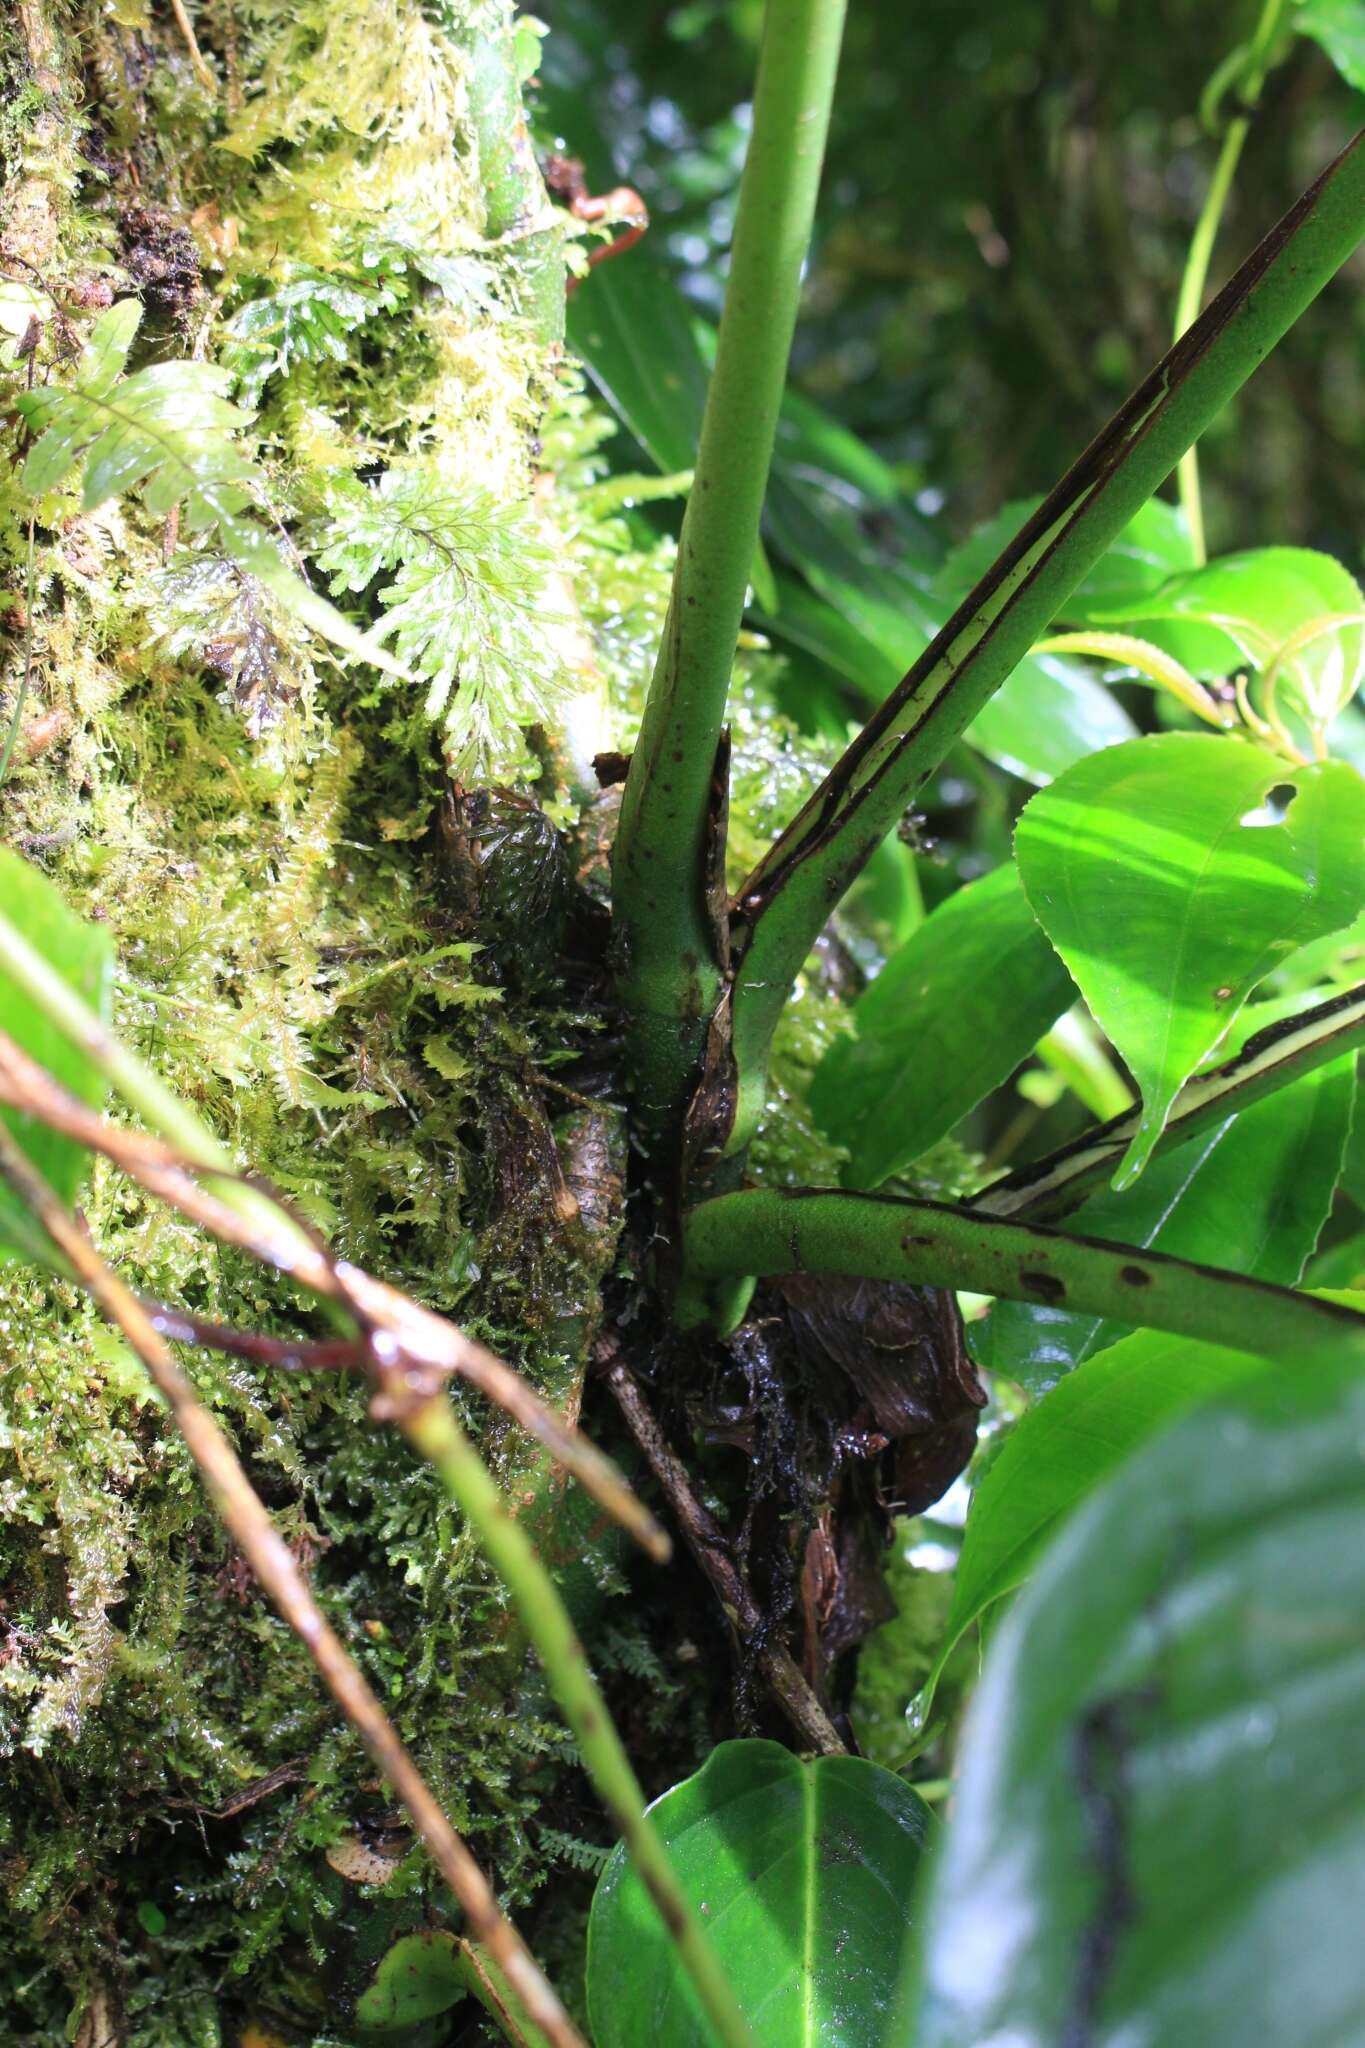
(1159,1828)
(83,955)
(1172,873)
(802,1874)
(1252,1194)
(420,1975)
(949,1017)
(1060,1450)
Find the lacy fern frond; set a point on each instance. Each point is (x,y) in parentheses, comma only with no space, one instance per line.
(169,433)
(591,1857)
(306,320)
(467,605)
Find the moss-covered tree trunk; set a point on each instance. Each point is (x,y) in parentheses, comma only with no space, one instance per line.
(346,961)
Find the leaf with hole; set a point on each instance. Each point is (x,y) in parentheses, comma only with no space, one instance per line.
(83,955)
(802,1874)
(1158,1830)
(1172,874)
(950,1016)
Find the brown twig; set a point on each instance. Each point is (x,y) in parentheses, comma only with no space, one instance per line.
(285,1354)
(706,1541)
(420,1341)
(186,28)
(246,1520)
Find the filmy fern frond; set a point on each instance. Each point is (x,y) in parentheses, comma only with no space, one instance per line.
(306,320)
(467,605)
(169,433)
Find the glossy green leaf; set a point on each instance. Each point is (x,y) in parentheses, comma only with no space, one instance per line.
(1057,1454)
(420,1975)
(1158,1833)
(950,1016)
(1172,874)
(1243,608)
(633,329)
(802,1874)
(1339,26)
(83,954)
(1339,1265)
(1251,1194)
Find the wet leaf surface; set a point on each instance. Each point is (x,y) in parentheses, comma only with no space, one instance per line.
(802,1874)
(1157,1831)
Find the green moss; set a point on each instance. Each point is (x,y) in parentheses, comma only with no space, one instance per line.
(369,1012)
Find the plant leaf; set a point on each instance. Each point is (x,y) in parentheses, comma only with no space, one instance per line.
(1242,608)
(1157,1832)
(421,1975)
(1339,26)
(1048,714)
(1059,1451)
(802,1873)
(633,329)
(1252,1193)
(169,430)
(1170,886)
(949,1017)
(83,954)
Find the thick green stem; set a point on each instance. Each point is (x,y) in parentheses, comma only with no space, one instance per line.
(1281,1054)
(433,1428)
(670,964)
(882,1237)
(1205,234)
(786,901)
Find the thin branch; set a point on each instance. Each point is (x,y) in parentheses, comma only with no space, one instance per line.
(285,1354)
(431,1426)
(191,42)
(785,903)
(1249,83)
(883,1237)
(706,1541)
(422,1339)
(277,1570)
(1274,1058)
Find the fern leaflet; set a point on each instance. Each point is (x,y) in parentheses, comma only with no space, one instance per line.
(167,432)
(466,607)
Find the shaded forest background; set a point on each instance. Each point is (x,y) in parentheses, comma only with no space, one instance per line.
(1009,196)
